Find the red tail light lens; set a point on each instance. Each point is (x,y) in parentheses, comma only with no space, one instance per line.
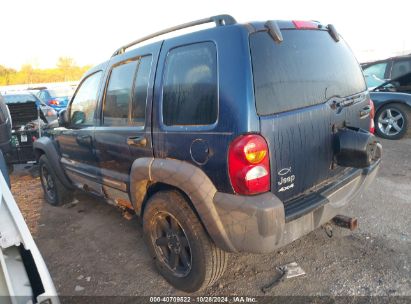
(372,115)
(54,102)
(249,165)
(305,25)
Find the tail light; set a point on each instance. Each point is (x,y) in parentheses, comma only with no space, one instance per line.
(54,102)
(372,115)
(33,138)
(248,165)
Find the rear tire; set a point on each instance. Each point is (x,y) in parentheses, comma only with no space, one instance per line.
(171,228)
(55,192)
(392,121)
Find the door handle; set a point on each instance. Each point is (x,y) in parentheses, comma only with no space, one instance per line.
(139,141)
(365,111)
(84,140)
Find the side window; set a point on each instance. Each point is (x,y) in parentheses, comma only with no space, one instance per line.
(84,103)
(376,70)
(400,68)
(118,95)
(138,109)
(127,89)
(190,94)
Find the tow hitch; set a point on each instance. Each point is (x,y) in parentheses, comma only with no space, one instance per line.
(342,221)
(345,222)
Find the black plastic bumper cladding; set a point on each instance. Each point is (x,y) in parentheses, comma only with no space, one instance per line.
(262,223)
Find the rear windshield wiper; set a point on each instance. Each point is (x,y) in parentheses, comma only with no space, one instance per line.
(274,31)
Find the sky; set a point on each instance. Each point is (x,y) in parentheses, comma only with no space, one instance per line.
(39,32)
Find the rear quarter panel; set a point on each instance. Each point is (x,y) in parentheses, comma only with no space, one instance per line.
(236,108)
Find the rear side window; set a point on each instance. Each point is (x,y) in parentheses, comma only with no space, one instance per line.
(118,95)
(190,95)
(126,95)
(138,109)
(307,68)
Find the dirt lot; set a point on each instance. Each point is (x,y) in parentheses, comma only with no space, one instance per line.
(91,249)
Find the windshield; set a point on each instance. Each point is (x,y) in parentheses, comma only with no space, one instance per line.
(307,68)
(61,92)
(20,98)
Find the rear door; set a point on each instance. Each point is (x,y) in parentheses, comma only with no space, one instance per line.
(124,133)
(306,87)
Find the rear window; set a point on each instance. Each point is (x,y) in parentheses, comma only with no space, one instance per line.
(307,68)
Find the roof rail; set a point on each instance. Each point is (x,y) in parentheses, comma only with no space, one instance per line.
(219,21)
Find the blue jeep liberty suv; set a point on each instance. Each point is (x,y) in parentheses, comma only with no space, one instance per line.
(234,138)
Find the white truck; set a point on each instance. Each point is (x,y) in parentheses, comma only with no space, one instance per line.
(24,277)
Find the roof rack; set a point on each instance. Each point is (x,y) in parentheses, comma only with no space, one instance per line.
(219,20)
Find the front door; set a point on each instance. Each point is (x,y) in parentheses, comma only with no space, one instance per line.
(76,141)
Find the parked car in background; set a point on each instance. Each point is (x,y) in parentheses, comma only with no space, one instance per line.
(378,72)
(392,101)
(237,138)
(57,98)
(24,96)
(27,121)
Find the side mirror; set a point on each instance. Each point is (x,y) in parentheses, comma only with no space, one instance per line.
(63,118)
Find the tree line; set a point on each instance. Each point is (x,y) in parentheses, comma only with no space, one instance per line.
(65,70)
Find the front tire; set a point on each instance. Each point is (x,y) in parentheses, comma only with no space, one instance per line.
(183,253)
(55,192)
(392,121)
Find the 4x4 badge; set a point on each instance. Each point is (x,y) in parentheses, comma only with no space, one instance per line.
(282,189)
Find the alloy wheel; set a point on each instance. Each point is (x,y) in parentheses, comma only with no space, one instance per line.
(390,122)
(171,244)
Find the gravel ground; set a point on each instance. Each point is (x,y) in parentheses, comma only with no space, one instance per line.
(91,249)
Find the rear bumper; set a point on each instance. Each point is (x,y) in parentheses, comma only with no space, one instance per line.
(261,224)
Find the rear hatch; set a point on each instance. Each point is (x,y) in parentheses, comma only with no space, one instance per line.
(306,87)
